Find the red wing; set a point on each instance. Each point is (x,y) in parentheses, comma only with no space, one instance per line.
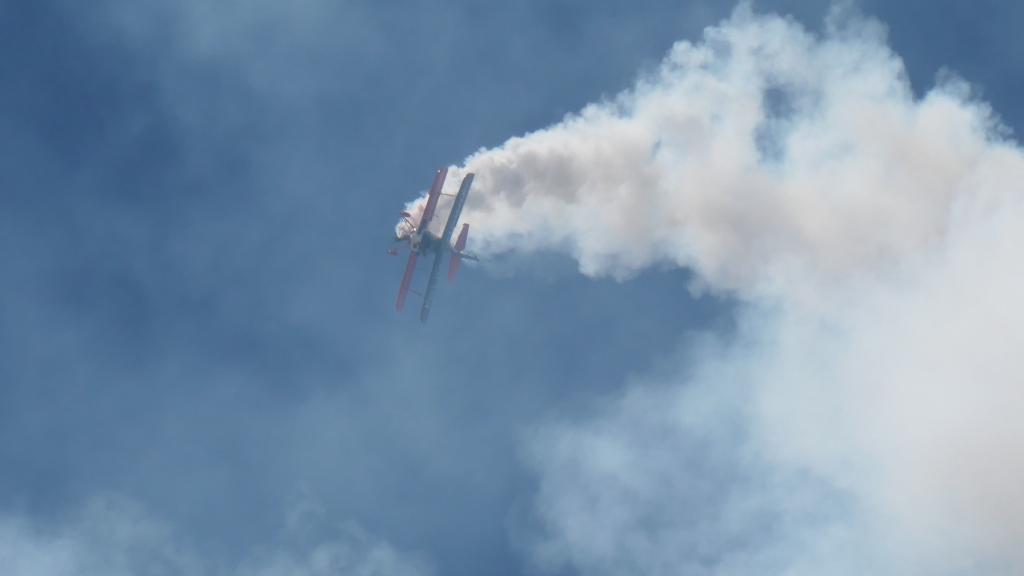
(403,290)
(435,193)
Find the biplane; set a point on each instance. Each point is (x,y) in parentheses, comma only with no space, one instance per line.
(422,242)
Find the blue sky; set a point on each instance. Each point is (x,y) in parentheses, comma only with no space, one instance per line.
(197,311)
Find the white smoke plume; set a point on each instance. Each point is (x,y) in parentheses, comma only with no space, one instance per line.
(866,418)
(761,151)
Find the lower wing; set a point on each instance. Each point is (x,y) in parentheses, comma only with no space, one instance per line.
(428,296)
(403,290)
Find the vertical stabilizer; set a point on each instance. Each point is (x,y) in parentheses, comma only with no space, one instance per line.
(460,245)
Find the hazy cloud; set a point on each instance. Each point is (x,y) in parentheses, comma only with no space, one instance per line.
(863,420)
(113,537)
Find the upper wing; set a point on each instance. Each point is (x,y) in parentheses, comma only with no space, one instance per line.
(403,290)
(435,193)
(428,296)
(453,216)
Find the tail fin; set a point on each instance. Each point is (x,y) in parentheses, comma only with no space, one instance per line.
(460,244)
(453,266)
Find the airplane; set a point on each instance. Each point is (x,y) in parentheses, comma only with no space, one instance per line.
(423,242)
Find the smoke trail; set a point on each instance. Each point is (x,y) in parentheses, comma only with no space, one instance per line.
(865,420)
(761,152)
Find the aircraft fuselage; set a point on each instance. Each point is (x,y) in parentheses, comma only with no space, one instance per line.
(424,243)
